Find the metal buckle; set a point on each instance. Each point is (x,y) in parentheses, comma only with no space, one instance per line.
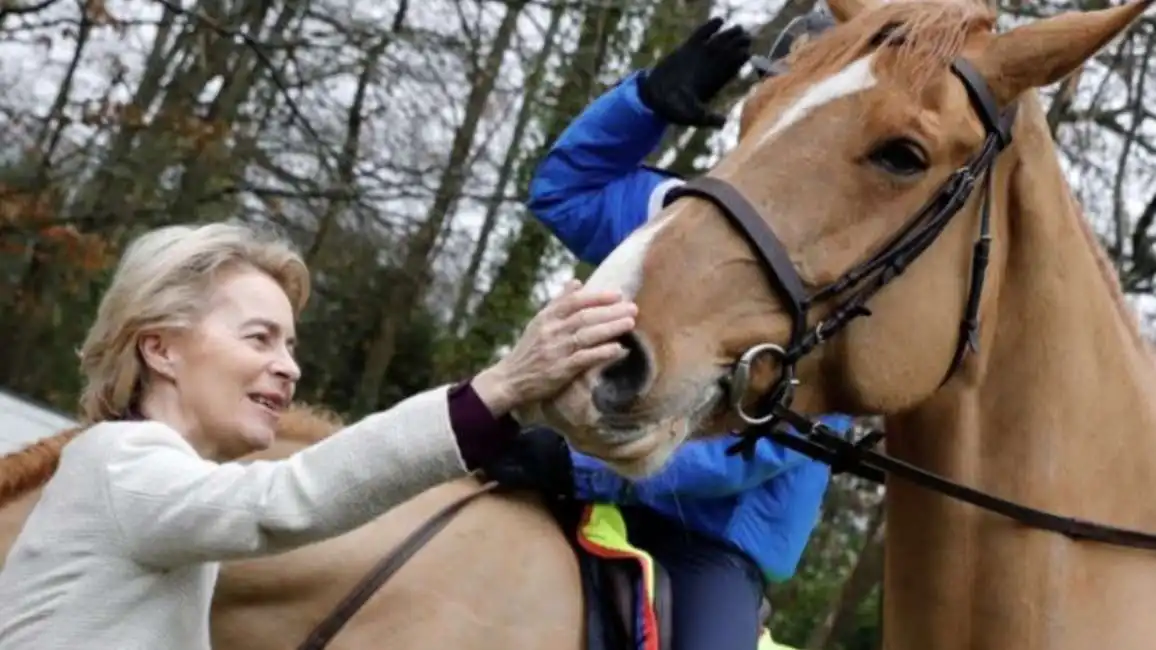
(820,332)
(740,381)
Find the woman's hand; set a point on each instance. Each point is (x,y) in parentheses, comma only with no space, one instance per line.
(572,334)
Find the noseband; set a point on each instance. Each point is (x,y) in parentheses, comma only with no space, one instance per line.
(856,287)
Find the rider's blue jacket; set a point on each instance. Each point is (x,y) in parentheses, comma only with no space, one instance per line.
(592,191)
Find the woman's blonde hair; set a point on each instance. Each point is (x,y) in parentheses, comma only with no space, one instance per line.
(163,281)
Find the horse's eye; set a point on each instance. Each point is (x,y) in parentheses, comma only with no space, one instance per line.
(899,156)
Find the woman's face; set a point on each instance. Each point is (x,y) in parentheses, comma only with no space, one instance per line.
(225,382)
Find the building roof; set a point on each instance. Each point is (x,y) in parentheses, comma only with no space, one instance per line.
(23,421)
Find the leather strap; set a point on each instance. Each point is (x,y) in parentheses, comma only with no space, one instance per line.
(328,628)
(858,455)
(733,204)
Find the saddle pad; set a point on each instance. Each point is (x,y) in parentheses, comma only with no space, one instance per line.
(602,533)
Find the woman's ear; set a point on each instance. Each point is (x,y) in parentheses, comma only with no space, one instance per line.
(158,353)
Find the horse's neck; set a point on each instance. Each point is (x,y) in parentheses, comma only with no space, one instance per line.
(1056,417)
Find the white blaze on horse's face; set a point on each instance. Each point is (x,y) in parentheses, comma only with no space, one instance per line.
(855,78)
(622,269)
(608,413)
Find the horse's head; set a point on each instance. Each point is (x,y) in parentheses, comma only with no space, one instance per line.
(859,142)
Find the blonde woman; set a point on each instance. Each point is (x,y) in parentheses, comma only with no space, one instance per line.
(189,363)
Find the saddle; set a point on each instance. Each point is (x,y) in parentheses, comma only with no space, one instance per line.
(626,592)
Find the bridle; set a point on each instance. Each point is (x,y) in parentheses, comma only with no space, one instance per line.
(866,279)
(856,287)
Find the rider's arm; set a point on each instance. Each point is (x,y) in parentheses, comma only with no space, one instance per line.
(591,189)
(698,468)
(796,506)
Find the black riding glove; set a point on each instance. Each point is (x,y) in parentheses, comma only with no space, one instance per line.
(537,459)
(682,83)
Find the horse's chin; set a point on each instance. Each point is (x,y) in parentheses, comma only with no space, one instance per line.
(656,441)
(634,447)
(643,466)
(648,448)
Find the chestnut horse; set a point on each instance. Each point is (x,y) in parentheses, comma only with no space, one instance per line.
(836,154)
(499,576)
(1050,407)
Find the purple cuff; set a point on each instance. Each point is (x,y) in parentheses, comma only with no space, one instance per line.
(481,437)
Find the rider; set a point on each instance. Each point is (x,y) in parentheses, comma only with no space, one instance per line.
(721,526)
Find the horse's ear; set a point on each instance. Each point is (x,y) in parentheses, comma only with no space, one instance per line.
(845,10)
(1045,51)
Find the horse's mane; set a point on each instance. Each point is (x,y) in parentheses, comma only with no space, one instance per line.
(925,38)
(1111,278)
(30,468)
(308,424)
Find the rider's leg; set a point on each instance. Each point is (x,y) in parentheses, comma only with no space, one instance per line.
(717,590)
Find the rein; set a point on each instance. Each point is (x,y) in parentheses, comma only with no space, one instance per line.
(858,285)
(856,457)
(328,627)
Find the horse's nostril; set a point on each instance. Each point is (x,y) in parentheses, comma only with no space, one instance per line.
(621,382)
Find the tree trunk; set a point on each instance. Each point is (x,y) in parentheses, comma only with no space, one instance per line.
(215,165)
(468,283)
(840,617)
(508,304)
(404,295)
(350,151)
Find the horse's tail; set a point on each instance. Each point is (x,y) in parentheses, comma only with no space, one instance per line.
(31,467)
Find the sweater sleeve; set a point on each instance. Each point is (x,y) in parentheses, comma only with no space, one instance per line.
(171,507)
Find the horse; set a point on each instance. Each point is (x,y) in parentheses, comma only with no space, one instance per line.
(500,575)
(893,235)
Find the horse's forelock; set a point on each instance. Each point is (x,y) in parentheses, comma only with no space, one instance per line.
(925,36)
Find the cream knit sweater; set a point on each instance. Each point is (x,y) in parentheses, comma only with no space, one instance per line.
(122,551)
